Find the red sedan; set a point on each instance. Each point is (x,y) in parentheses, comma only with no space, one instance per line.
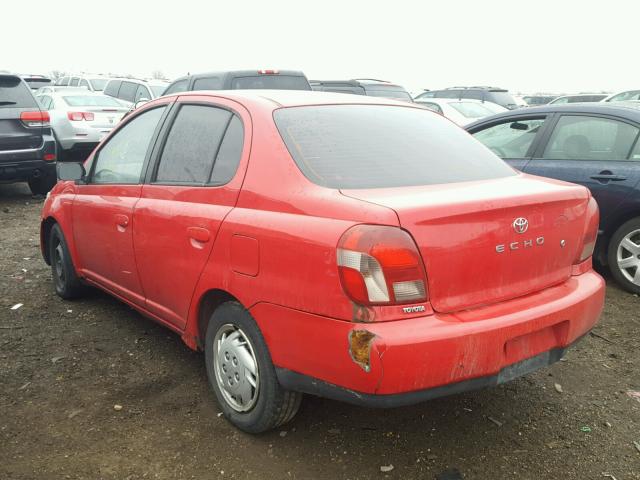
(355,248)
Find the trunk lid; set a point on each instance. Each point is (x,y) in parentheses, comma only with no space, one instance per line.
(105,117)
(472,251)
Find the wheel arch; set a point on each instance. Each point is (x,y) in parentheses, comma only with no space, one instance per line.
(45,232)
(207,304)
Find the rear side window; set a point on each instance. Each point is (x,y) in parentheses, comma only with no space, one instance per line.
(377,146)
(14,93)
(142,93)
(209,83)
(112,88)
(578,137)
(121,159)
(278,82)
(179,86)
(192,145)
(127,91)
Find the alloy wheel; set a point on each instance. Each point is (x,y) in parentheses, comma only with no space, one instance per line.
(628,257)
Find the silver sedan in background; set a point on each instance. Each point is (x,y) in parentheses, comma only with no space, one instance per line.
(80,119)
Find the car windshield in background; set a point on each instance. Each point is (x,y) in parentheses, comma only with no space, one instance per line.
(271,82)
(99,83)
(378,146)
(471,110)
(91,101)
(158,90)
(501,98)
(389,93)
(14,93)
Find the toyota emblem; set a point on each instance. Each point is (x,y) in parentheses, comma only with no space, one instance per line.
(520,225)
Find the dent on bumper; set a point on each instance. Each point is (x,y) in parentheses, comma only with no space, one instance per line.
(435,355)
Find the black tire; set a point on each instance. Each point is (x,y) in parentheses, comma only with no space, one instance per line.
(621,275)
(65,280)
(273,406)
(42,184)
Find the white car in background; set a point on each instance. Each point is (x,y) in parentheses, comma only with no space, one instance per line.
(80,119)
(623,96)
(94,83)
(461,111)
(131,91)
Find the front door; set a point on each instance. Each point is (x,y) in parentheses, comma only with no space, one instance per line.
(103,208)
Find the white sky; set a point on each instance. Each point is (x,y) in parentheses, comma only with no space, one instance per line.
(525,46)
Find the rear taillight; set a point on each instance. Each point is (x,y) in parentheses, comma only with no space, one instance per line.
(79,116)
(381,265)
(35,119)
(591,231)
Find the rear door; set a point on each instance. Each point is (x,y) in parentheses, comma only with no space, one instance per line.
(594,151)
(193,185)
(513,139)
(16,134)
(103,208)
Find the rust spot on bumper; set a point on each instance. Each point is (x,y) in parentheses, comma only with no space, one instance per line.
(360,347)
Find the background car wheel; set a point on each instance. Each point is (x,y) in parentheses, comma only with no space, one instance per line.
(624,255)
(242,375)
(42,184)
(65,280)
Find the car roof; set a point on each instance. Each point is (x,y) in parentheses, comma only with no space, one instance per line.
(295,98)
(629,110)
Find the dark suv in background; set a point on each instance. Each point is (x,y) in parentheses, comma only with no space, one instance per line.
(485,94)
(241,80)
(363,86)
(27,148)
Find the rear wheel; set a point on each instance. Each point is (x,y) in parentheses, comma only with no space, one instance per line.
(242,375)
(624,255)
(65,280)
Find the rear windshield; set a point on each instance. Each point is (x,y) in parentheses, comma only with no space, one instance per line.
(389,93)
(271,82)
(36,83)
(14,93)
(99,84)
(91,101)
(377,146)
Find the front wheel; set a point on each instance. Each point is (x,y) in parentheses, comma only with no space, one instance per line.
(242,375)
(623,255)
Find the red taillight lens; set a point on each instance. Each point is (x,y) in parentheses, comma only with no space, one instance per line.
(49,157)
(79,116)
(35,119)
(268,72)
(381,265)
(591,231)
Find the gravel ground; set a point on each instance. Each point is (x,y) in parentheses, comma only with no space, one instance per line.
(65,365)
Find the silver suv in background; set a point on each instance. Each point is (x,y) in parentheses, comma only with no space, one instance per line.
(130,91)
(94,83)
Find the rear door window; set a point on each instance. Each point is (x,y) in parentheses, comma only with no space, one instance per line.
(179,86)
(192,145)
(14,93)
(128,91)
(511,139)
(112,88)
(142,93)
(378,146)
(581,137)
(121,158)
(207,83)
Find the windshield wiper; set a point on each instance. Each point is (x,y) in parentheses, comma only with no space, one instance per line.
(7,103)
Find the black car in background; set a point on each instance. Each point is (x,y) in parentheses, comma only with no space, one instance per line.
(362,86)
(484,94)
(27,147)
(241,79)
(594,144)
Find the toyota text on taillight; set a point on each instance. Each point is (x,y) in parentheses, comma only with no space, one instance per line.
(381,265)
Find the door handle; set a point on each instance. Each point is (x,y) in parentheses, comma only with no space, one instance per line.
(607,176)
(122,222)
(198,236)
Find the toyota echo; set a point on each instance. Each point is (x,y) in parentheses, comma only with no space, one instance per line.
(355,248)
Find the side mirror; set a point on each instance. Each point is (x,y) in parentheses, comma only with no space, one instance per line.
(519,126)
(70,171)
(141,102)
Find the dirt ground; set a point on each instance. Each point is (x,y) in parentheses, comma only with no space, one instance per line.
(64,365)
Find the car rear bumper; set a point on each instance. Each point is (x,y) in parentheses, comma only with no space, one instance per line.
(425,357)
(21,165)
